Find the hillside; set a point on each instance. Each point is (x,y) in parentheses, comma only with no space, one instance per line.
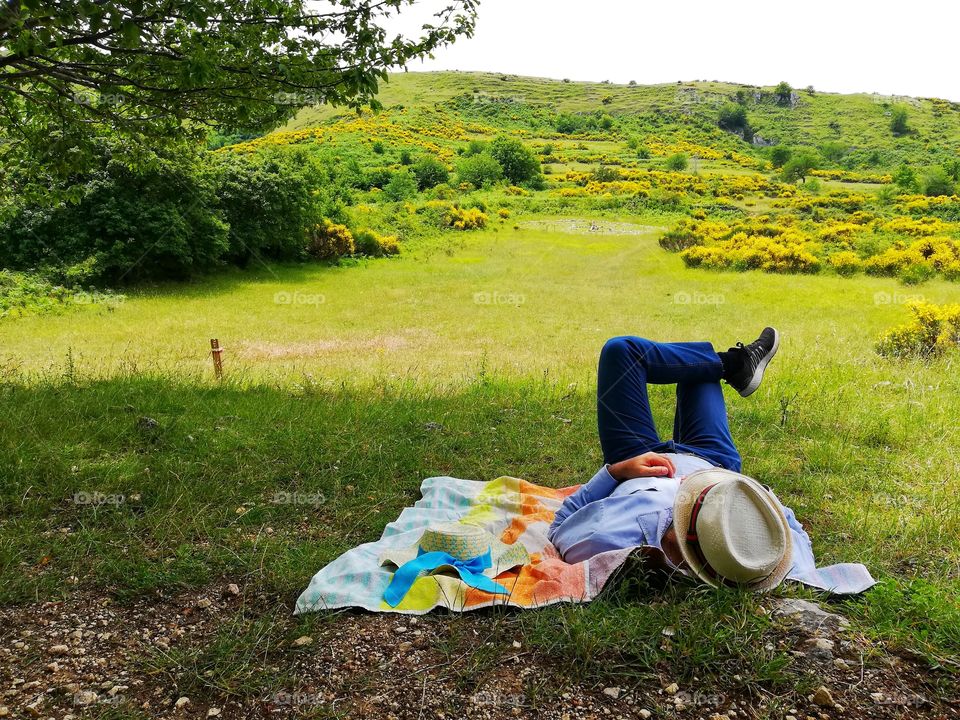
(860,123)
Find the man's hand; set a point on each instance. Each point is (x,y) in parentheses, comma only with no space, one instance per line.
(647,465)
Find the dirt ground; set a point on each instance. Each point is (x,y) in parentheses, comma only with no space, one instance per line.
(89,656)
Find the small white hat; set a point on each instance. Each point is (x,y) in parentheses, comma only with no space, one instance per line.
(462,541)
(732,531)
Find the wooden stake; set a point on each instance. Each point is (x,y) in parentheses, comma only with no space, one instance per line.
(217,353)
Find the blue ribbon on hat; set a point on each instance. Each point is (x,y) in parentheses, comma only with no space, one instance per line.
(470,571)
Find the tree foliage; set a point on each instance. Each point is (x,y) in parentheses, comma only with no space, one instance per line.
(150,71)
(799,166)
(899,115)
(519,163)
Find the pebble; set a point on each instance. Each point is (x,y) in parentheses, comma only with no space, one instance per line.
(181,702)
(612,692)
(877,696)
(232,589)
(841,664)
(672,689)
(4,711)
(85,697)
(303,641)
(644,713)
(59,650)
(400,629)
(517,645)
(204,603)
(213,712)
(823,697)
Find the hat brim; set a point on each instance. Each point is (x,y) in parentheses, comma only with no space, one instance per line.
(690,490)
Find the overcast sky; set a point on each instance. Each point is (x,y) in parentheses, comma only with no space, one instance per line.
(909,47)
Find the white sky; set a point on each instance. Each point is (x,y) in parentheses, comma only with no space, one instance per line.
(909,47)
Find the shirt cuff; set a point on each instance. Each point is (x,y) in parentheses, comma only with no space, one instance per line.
(602,484)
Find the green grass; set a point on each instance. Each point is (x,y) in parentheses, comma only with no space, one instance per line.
(336,400)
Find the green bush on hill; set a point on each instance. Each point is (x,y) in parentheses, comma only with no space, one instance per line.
(480,170)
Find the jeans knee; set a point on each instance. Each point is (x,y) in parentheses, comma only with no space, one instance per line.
(623,345)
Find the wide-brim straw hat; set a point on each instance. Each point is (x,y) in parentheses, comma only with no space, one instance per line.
(463,541)
(732,531)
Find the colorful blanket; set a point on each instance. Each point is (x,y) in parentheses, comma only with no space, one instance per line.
(512,509)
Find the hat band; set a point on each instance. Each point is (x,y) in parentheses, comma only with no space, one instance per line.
(694,542)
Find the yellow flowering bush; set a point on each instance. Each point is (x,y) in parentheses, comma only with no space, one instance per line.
(466,219)
(918,227)
(788,252)
(368,242)
(328,240)
(845,262)
(932,331)
(503,213)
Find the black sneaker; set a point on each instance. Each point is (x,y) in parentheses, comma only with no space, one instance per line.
(755,357)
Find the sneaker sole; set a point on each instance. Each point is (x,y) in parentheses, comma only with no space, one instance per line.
(764,361)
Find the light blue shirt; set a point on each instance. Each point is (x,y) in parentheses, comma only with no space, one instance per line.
(606,515)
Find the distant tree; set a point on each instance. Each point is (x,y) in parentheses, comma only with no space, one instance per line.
(480,170)
(741,97)
(607,99)
(429,172)
(475,147)
(378,147)
(834,151)
(784,93)
(519,162)
(405,157)
(799,166)
(402,185)
(906,179)
(632,83)
(899,115)
(936,182)
(779,154)
(677,162)
(835,126)
(733,117)
(606,122)
(150,72)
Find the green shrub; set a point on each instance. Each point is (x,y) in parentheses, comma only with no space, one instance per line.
(733,117)
(936,182)
(402,185)
(405,157)
(378,147)
(430,172)
(480,170)
(799,166)
(779,155)
(899,116)
(519,162)
(270,199)
(158,223)
(677,162)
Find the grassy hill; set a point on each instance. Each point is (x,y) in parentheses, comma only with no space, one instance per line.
(861,122)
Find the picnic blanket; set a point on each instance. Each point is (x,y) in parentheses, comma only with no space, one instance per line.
(512,509)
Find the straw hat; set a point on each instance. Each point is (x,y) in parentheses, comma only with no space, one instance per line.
(732,531)
(463,542)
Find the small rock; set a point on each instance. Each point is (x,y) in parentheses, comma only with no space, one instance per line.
(412,621)
(405,647)
(85,697)
(53,667)
(644,713)
(672,689)
(232,589)
(840,664)
(790,717)
(876,696)
(517,645)
(181,702)
(808,616)
(668,631)
(612,692)
(4,711)
(59,650)
(213,712)
(204,603)
(823,697)
(303,641)
(400,629)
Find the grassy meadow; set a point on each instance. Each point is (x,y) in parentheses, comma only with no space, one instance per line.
(129,470)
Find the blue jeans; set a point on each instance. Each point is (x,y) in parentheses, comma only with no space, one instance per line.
(627,365)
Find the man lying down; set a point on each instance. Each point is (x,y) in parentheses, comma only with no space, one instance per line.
(685,498)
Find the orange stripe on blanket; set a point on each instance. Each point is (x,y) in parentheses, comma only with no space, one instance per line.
(535,584)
